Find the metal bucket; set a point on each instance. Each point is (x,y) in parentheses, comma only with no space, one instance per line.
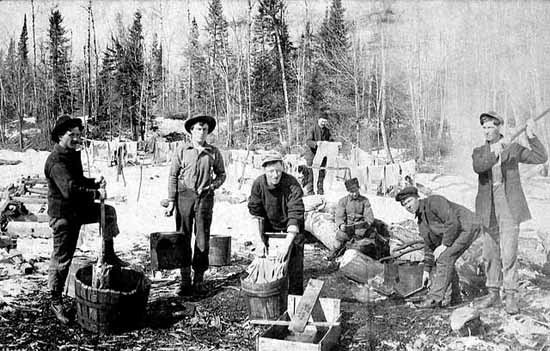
(167,250)
(220,250)
(403,276)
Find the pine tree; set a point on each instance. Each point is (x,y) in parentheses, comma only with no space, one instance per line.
(267,84)
(22,77)
(198,87)
(59,65)
(219,53)
(23,52)
(333,33)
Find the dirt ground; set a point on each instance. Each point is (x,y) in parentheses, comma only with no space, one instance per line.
(219,320)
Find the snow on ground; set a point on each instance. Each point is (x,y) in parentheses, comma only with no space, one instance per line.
(137,219)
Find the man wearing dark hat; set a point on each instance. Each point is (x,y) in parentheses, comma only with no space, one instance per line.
(276,203)
(448,230)
(353,217)
(316,134)
(197,170)
(71,204)
(501,204)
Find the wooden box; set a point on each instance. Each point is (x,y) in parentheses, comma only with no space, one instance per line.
(278,337)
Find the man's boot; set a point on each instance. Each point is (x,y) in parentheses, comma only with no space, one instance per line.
(56,305)
(110,256)
(199,286)
(492,299)
(511,306)
(185,285)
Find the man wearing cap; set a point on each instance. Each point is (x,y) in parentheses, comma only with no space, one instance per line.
(501,204)
(197,170)
(276,203)
(319,132)
(71,204)
(353,217)
(448,230)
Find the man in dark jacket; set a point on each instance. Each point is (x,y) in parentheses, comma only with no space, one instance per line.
(501,204)
(319,132)
(197,170)
(448,230)
(276,202)
(71,204)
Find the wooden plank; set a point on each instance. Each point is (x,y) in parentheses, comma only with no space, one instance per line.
(306,305)
(287,323)
(31,199)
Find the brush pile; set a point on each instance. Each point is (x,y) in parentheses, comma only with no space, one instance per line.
(265,270)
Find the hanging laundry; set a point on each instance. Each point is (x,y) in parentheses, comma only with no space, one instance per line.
(391,179)
(375,177)
(408,169)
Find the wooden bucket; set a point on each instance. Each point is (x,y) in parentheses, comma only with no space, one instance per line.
(167,250)
(77,263)
(111,310)
(220,250)
(266,301)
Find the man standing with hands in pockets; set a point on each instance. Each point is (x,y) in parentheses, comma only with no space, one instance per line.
(197,170)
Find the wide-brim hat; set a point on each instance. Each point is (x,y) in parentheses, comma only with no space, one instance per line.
(273,156)
(209,120)
(406,193)
(492,115)
(64,123)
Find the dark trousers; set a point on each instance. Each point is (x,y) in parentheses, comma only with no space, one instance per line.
(445,271)
(322,173)
(296,270)
(194,213)
(65,238)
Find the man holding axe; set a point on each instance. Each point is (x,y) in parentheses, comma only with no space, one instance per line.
(501,204)
(71,204)
(276,203)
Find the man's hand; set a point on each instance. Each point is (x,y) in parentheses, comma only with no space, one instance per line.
(292,231)
(439,250)
(426,281)
(261,249)
(169,209)
(101,182)
(530,128)
(101,193)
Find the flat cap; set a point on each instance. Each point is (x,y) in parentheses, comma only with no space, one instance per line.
(272,156)
(351,183)
(406,193)
(490,115)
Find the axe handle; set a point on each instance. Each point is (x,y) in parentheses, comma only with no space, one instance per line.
(522,129)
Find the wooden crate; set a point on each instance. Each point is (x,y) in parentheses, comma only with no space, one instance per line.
(278,337)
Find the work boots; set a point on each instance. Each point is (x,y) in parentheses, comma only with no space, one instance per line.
(56,305)
(185,288)
(199,286)
(511,306)
(490,300)
(110,256)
